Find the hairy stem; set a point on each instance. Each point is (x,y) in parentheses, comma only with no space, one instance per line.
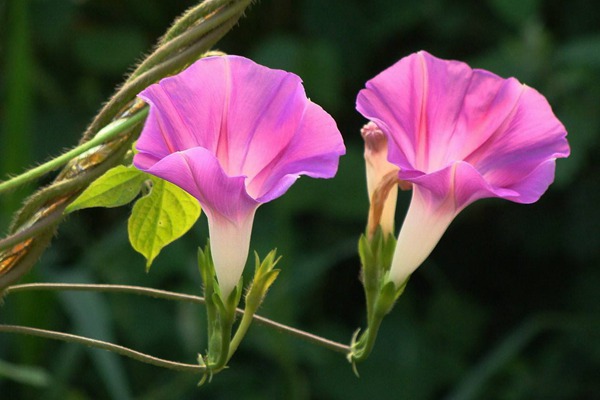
(175,60)
(173,43)
(107,133)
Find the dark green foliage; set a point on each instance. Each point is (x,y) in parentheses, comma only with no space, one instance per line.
(505,308)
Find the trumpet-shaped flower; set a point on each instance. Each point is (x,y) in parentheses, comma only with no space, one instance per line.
(459,134)
(235,134)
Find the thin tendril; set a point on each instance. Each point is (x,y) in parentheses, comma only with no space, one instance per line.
(99,344)
(163,294)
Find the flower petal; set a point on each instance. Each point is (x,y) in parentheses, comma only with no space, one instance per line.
(513,155)
(257,121)
(198,172)
(314,150)
(235,134)
(459,134)
(423,227)
(229,209)
(439,112)
(459,183)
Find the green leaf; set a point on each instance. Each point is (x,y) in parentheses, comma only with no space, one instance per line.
(118,186)
(161,217)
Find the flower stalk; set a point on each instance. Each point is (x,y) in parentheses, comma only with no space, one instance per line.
(376,253)
(456,135)
(221,312)
(264,276)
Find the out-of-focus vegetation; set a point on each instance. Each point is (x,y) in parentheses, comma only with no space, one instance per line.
(507,306)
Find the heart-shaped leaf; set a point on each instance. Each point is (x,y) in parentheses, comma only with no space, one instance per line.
(161,217)
(116,187)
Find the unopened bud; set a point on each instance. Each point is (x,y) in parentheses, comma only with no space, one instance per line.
(382,182)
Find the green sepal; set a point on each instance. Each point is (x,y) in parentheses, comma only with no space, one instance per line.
(206,267)
(264,276)
(388,295)
(376,254)
(220,312)
(217,301)
(116,187)
(227,306)
(387,252)
(161,217)
(207,373)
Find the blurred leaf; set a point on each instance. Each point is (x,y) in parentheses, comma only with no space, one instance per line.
(582,51)
(17,114)
(497,358)
(161,217)
(315,61)
(33,376)
(332,197)
(515,12)
(190,327)
(525,57)
(581,232)
(109,50)
(455,324)
(582,124)
(388,18)
(91,316)
(116,187)
(340,23)
(53,19)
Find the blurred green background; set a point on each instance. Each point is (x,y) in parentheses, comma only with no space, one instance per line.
(507,306)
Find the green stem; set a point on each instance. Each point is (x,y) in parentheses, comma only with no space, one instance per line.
(110,131)
(50,203)
(163,294)
(242,328)
(366,342)
(124,351)
(18,100)
(226,326)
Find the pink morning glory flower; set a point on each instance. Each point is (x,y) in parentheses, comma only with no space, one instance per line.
(459,134)
(235,134)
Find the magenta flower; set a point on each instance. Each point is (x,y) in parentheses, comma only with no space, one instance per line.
(235,134)
(459,134)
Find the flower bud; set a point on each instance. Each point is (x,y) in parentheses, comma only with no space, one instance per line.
(382,182)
